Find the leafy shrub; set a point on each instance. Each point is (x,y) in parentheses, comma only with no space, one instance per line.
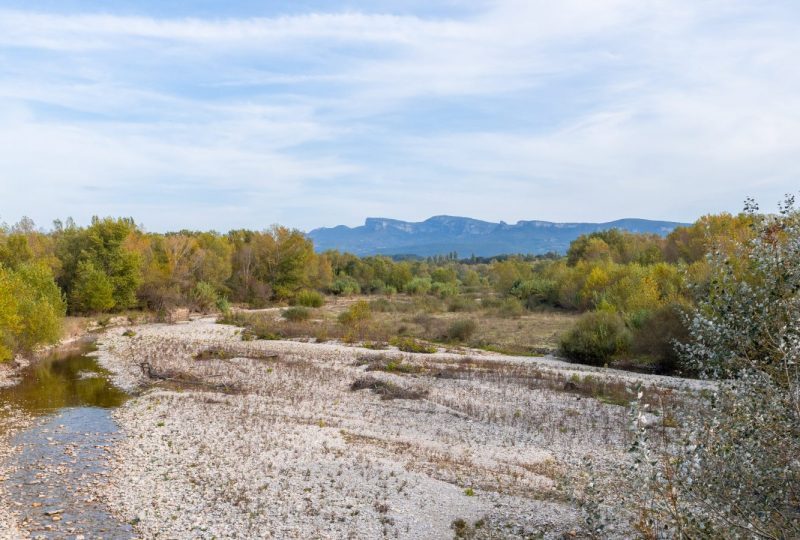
(444,290)
(204,297)
(596,338)
(732,470)
(418,285)
(409,344)
(434,327)
(296,314)
(461,330)
(657,335)
(376,286)
(359,312)
(223,305)
(309,298)
(345,286)
(535,292)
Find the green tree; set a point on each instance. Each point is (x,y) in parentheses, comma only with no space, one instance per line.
(92,290)
(31,308)
(100,248)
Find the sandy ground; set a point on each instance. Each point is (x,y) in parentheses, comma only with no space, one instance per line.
(257,447)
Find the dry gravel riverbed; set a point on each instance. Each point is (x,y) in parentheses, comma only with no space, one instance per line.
(11,421)
(246,445)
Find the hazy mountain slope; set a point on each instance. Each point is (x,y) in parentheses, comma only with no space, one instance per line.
(443,234)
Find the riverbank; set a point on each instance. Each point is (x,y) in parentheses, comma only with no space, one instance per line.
(11,421)
(274,439)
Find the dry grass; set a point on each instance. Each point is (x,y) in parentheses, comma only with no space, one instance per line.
(421,318)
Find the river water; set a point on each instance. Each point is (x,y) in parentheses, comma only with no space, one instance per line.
(64,455)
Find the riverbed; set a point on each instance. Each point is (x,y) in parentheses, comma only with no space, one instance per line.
(60,460)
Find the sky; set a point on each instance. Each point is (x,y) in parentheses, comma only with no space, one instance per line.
(222,115)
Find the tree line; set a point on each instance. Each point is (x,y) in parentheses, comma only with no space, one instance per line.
(632,287)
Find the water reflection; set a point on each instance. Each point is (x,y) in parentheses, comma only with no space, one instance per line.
(65,451)
(67,379)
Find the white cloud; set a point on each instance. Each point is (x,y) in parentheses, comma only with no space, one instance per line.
(582,110)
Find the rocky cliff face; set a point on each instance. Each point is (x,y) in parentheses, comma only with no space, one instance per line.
(444,234)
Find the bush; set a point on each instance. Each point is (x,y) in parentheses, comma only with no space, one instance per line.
(535,292)
(309,298)
(223,305)
(358,313)
(461,303)
(657,335)
(596,338)
(345,286)
(461,330)
(376,286)
(418,286)
(444,290)
(731,470)
(296,314)
(204,297)
(511,308)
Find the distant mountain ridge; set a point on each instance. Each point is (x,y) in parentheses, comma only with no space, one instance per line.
(443,234)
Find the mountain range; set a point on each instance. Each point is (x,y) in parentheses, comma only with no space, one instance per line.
(444,234)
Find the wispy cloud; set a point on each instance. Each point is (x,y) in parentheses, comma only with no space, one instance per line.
(517,110)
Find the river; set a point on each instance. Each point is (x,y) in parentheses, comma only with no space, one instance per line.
(63,456)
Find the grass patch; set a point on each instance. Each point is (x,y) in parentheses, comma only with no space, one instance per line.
(296,314)
(411,345)
(389,365)
(214,353)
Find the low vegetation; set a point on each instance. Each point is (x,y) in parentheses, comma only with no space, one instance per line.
(386,389)
(729,469)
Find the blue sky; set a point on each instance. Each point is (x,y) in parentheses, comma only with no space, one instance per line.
(220,115)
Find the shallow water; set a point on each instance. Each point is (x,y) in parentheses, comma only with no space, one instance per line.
(64,379)
(64,453)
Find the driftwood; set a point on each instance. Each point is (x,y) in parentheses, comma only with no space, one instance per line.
(183,378)
(147,371)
